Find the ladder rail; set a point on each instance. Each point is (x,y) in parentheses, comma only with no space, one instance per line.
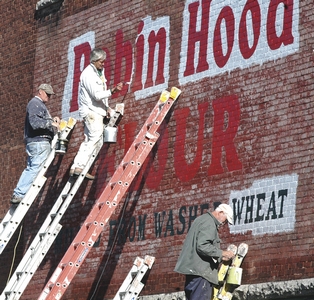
(15,214)
(42,242)
(127,158)
(21,278)
(132,284)
(82,248)
(109,191)
(49,229)
(138,262)
(93,226)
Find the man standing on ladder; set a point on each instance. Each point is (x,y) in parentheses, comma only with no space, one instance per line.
(93,107)
(39,131)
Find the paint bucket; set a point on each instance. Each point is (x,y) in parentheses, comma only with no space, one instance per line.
(62,146)
(110,134)
(234,276)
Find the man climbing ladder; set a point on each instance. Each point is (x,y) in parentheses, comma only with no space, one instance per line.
(108,200)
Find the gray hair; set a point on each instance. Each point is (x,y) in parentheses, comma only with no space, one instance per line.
(97,54)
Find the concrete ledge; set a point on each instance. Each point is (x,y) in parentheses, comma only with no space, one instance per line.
(294,289)
(288,290)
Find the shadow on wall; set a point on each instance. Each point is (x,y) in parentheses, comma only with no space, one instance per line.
(100,285)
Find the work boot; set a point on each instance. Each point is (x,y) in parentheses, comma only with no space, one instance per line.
(15,199)
(78,171)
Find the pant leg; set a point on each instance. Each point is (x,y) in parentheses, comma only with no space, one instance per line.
(197,288)
(37,153)
(93,132)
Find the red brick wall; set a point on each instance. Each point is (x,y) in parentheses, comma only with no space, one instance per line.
(232,130)
(18,36)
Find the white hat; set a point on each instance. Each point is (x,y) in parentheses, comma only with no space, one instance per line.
(227,210)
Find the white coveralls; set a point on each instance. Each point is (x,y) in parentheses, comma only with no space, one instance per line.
(93,106)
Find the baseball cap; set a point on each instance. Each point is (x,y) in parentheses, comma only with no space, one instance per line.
(47,88)
(227,210)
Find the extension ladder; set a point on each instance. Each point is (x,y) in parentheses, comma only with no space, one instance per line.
(132,284)
(108,200)
(16,213)
(51,226)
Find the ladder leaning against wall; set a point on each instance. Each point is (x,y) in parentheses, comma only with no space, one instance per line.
(51,226)
(132,284)
(109,199)
(16,213)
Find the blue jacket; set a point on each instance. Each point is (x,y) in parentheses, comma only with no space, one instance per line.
(38,122)
(201,253)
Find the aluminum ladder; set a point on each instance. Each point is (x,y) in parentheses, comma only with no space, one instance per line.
(16,213)
(132,284)
(51,226)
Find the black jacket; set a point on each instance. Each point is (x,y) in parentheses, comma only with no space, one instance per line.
(38,122)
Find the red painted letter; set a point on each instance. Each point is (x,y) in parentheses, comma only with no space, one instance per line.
(184,171)
(198,36)
(226,14)
(286,36)
(245,49)
(224,132)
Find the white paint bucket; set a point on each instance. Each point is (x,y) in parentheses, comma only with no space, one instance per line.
(110,134)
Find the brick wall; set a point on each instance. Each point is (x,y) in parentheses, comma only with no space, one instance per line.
(240,133)
(18,36)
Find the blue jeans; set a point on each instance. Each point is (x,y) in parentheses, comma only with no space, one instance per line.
(37,153)
(197,288)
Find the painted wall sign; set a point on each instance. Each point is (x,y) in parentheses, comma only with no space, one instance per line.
(217,37)
(268,206)
(220,36)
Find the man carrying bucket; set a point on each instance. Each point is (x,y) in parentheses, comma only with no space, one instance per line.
(93,107)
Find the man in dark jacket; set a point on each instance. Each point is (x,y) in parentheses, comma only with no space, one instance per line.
(201,253)
(39,131)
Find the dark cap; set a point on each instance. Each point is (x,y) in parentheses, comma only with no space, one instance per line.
(46,88)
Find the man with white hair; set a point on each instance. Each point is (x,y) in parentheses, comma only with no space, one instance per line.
(93,107)
(201,253)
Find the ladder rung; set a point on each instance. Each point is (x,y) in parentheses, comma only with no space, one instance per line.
(89,225)
(100,205)
(112,185)
(42,235)
(122,294)
(75,245)
(136,287)
(149,261)
(62,266)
